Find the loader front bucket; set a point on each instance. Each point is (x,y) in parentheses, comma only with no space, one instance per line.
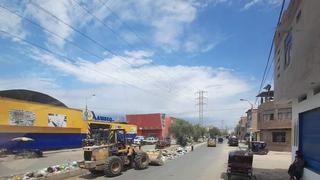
(155,157)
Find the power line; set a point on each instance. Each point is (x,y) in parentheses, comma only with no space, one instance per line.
(138,36)
(84,35)
(270,52)
(117,34)
(57,35)
(67,58)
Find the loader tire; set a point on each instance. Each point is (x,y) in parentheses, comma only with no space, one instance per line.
(141,160)
(114,166)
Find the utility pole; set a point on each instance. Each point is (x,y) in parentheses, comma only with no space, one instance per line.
(200,102)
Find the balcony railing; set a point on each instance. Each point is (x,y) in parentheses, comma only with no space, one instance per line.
(274,124)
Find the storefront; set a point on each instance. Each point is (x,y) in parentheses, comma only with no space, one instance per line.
(50,123)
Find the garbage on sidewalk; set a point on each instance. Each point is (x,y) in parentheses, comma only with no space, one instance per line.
(158,157)
(46,172)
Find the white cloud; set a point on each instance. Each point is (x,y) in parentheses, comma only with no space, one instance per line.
(164,22)
(196,43)
(167,19)
(70,12)
(142,87)
(61,9)
(251,3)
(11,23)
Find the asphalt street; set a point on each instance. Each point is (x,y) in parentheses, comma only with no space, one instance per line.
(203,163)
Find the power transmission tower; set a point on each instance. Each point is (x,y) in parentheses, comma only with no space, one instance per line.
(201,102)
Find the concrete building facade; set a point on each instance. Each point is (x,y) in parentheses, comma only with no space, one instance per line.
(297,77)
(275,125)
(252,124)
(155,125)
(242,131)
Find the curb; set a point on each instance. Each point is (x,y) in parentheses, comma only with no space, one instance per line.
(63,150)
(200,144)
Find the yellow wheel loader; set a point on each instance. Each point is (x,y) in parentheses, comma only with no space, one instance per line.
(110,152)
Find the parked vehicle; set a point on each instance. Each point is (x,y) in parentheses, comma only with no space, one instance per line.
(139,140)
(211,142)
(240,163)
(163,144)
(233,141)
(259,147)
(151,140)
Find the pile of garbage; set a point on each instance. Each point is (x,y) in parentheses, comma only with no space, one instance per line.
(158,157)
(170,154)
(49,171)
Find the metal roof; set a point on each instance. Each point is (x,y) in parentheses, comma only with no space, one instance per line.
(32,96)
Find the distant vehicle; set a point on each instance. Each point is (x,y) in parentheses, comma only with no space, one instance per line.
(163,144)
(259,147)
(139,140)
(211,142)
(233,141)
(151,140)
(220,140)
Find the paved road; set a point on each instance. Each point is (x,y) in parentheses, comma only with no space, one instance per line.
(11,166)
(203,163)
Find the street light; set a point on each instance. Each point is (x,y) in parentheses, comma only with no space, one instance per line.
(250,137)
(248,102)
(92,95)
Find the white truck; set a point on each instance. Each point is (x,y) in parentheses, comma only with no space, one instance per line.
(151,140)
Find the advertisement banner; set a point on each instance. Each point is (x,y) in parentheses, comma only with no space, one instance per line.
(57,120)
(21,118)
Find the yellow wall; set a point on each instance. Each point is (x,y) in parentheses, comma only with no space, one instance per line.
(129,128)
(75,121)
(74,117)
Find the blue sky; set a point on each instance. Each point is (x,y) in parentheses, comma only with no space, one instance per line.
(139,56)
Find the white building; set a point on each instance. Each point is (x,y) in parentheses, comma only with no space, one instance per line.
(297,77)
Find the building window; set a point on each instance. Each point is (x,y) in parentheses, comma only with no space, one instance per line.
(271,117)
(268,117)
(278,136)
(287,50)
(284,114)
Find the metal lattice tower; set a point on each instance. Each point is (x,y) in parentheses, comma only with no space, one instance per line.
(200,103)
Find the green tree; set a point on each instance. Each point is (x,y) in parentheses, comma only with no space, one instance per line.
(198,132)
(214,131)
(182,130)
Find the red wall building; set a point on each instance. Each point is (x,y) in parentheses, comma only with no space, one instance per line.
(151,124)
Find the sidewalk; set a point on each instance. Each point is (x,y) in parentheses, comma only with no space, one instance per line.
(273,166)
(11,166)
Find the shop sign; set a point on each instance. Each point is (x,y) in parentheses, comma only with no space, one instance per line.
(91,116)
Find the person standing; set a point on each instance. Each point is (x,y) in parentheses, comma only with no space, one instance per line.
(296,168)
